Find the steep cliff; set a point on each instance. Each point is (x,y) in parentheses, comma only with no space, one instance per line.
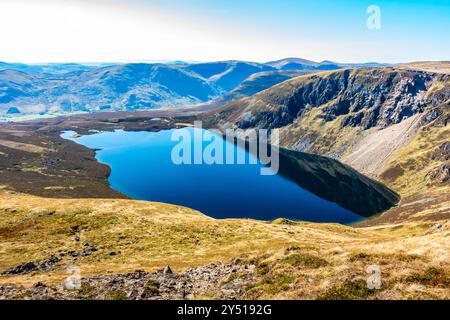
(389,123)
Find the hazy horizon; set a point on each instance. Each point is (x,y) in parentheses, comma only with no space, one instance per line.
(94,63)
(190,61)
(81,31)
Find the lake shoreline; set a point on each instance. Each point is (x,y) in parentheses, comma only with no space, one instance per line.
(119,184)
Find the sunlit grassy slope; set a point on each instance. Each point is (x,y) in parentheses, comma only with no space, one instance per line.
(294,260)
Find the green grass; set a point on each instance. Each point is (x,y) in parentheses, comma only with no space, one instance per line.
(304,260)
(152,286)
(270,285)
(433,276)
(230,279)
(116,295)
(348,290)
(87,291)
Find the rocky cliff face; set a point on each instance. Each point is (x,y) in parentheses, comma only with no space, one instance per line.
(362,98)
(373,119)
(313,110)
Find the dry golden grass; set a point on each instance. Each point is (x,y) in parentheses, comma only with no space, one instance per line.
(430,66)
(182,124)
(22,146)
(324,260)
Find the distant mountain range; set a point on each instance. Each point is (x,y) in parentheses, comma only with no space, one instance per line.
(70,87)
(51,68)
(303,64)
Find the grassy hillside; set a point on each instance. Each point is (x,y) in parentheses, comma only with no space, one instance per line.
(431,66)
(287,260)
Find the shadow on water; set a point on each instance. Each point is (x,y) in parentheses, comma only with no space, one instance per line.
(333,181)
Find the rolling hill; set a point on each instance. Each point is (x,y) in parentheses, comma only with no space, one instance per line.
(227,75)
(257,82)
(70,87)
(51,68)
(123,87)
(303,64)
(114,88)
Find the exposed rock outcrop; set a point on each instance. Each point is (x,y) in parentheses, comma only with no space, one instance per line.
(441,174)
(141,285)
(365,98)
(27,267)
(343,114)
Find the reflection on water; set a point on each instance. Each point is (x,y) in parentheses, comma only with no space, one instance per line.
(308,187)
(336,182)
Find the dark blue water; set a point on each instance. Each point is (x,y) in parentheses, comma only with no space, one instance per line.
(142,169)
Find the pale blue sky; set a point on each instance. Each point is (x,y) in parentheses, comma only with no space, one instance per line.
(206,30)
